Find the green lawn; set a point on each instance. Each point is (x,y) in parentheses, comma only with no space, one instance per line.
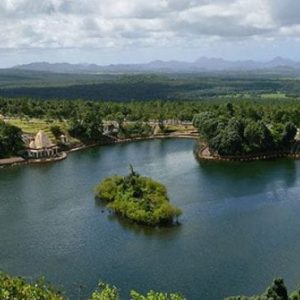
(274,96)
(32,126)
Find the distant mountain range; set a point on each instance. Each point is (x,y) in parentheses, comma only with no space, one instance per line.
(202,64)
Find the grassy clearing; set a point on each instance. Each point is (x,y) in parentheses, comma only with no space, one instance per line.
(277,95)
(32,126)
(180,128)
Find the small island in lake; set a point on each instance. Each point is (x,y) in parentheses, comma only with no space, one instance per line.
(138,198)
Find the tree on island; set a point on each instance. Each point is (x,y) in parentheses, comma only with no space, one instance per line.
(138,198)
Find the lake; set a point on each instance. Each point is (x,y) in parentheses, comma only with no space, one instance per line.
(240,226)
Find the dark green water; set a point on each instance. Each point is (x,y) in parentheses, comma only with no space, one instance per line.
(240,228)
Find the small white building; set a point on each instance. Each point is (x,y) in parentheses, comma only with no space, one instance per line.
(110,127)
(63,139)
(41,147)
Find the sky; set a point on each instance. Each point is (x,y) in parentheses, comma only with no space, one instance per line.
(136,31)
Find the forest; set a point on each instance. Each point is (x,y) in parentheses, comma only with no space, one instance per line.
(146,87)
(283,110)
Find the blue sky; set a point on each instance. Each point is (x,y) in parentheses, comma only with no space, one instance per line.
(134,31)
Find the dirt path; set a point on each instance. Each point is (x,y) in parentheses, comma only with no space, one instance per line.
(11,161)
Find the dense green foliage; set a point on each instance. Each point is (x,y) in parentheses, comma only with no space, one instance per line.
(255,108)
(17,288)
(10,140)
(152,295)
(137,198)
(56,131)
(245,129)
(108,292)
(87,126)
(74,110)
(136,129)
(277,291)
(105,292)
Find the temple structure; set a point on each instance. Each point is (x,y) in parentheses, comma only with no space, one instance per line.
(41,147)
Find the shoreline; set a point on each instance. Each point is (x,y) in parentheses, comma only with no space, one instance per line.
(18,160)
(135,139)
(203,154)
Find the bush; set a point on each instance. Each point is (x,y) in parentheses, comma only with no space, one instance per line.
(138,198)
(137,129)
(56,131)
(10,140)
(17,288)
(277,291)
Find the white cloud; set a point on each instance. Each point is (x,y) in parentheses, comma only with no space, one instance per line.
(285,13)
(136,23)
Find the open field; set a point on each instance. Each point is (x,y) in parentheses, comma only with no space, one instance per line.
(277,95)
(32,126)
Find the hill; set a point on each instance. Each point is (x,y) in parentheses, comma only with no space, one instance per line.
(203,64)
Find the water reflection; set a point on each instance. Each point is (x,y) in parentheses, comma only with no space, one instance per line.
(251,177)
(160,231)
(237,220)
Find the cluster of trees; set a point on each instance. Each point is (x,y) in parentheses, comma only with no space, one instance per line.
(237,127)
(237,130)
(18,288)
(136,129)
(10,140)
(138,198)
(279,111)
(130,111)
(86,126)
(108,292)
(277,291)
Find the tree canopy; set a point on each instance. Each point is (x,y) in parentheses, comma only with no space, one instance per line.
(237,130)
(10,140)
(137,198)
(277,291)
(17,288)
